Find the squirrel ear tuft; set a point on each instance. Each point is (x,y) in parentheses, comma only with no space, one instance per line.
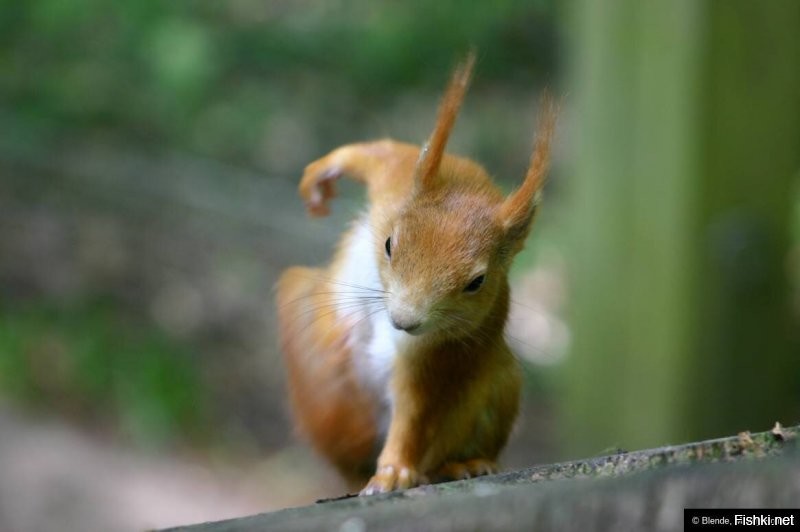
(519,208)
(430,157)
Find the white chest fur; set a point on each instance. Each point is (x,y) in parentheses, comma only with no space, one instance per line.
(374,342)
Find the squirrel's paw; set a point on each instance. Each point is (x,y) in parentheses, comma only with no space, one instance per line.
(471,468)
(317,186)
(393,477)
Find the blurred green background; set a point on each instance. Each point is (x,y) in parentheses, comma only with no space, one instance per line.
(149,153)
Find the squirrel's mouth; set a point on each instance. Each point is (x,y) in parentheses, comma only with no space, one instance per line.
(417,331)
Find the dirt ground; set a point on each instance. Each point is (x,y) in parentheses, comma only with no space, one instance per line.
(55,477)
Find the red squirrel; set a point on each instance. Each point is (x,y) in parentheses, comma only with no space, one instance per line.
(398,370)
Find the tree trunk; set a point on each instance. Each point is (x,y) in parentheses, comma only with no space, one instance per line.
(681,196)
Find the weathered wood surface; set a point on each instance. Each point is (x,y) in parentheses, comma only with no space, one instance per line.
(649,492)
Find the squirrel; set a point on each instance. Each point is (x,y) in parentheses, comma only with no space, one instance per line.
(398,370)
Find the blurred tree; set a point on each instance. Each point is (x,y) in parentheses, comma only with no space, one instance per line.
(682,198)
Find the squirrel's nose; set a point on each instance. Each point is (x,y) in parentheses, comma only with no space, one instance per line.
(404,324)
(404,315)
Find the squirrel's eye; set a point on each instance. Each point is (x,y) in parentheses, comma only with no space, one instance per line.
(388,247)
(475,284)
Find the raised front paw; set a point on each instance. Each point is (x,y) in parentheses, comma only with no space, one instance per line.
(318,186)
(393,477)
(471,468)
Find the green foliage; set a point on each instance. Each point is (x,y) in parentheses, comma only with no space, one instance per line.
(208,76)
(94,362)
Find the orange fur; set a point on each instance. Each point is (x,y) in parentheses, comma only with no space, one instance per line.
(323,390)
(453,384)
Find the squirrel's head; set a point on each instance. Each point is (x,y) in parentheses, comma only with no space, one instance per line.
(445,256)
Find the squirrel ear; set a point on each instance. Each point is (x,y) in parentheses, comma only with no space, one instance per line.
(430,157)
(518,209)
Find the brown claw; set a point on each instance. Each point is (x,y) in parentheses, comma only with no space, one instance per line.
(463,470)
(390,478)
